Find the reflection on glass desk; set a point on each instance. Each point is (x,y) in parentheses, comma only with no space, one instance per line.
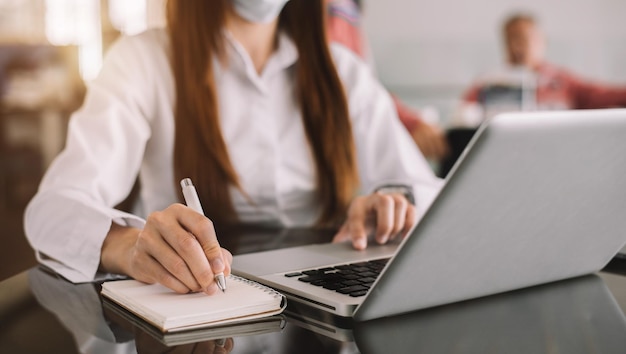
(218,334)
(42,313)
(572,316)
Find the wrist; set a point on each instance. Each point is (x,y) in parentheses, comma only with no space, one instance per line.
(117,249)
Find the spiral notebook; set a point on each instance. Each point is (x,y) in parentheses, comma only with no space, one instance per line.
(171,312)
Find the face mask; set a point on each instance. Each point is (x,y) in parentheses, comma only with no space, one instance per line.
(259,11)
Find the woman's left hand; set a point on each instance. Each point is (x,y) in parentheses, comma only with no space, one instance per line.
(387,215)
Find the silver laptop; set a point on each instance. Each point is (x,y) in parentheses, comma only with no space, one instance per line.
(535,198)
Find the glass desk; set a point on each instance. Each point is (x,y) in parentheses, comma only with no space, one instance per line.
(42,313)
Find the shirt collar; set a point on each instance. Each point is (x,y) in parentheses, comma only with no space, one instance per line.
(285,56)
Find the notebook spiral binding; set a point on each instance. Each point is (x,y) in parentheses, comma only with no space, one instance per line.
(257,285)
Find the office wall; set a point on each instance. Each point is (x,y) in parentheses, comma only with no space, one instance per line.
(22,21)
(429,51)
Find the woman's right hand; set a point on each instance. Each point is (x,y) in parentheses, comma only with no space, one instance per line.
(177,248)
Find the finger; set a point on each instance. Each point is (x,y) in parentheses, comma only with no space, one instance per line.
(150,271)
(355,226)
(401,205)
(207,347)
(228,257)
(184,234)
(357,232)
(410,220)
(342,235)
(202,228)
(383,206)
(153,241)
(229,345)
(217,346)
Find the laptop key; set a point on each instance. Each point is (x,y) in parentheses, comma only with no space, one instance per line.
(333,286)
(369,274)
(294,274)
(367,280)
(349,276)
(346,271)
(358,293)
(344,267)
(309,278)
(352,279)
(351,289)
(360,269)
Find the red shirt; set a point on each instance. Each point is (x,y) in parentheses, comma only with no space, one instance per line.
(559,89)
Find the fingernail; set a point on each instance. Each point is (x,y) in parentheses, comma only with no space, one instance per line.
(217,265)
(212,289)
(360,244)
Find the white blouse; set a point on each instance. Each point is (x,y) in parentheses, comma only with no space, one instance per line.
(125,129)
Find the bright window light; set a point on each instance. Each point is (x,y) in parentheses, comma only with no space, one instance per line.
(77,22)
(129,16)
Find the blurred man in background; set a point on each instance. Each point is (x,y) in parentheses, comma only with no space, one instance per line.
(553,87)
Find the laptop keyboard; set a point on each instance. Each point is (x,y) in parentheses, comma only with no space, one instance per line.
(353,279)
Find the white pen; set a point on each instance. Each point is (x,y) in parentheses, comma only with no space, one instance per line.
(192,201)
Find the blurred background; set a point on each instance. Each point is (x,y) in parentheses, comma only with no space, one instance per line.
(49,51)
(427,53)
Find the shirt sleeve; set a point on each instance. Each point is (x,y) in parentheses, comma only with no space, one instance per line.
(386,153)
(591,95)
(342,26)
(67,220)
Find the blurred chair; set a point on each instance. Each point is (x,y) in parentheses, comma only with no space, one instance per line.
(458,138)
(41,87)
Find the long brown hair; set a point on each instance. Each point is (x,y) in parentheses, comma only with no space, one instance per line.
(195,28)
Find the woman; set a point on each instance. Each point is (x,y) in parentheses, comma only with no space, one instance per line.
(246,98)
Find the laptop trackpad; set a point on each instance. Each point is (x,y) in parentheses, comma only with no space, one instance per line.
(312,256)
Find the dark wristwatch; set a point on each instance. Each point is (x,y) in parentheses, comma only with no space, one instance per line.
(405,190)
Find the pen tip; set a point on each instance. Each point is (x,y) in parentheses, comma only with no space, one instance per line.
(221,282)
